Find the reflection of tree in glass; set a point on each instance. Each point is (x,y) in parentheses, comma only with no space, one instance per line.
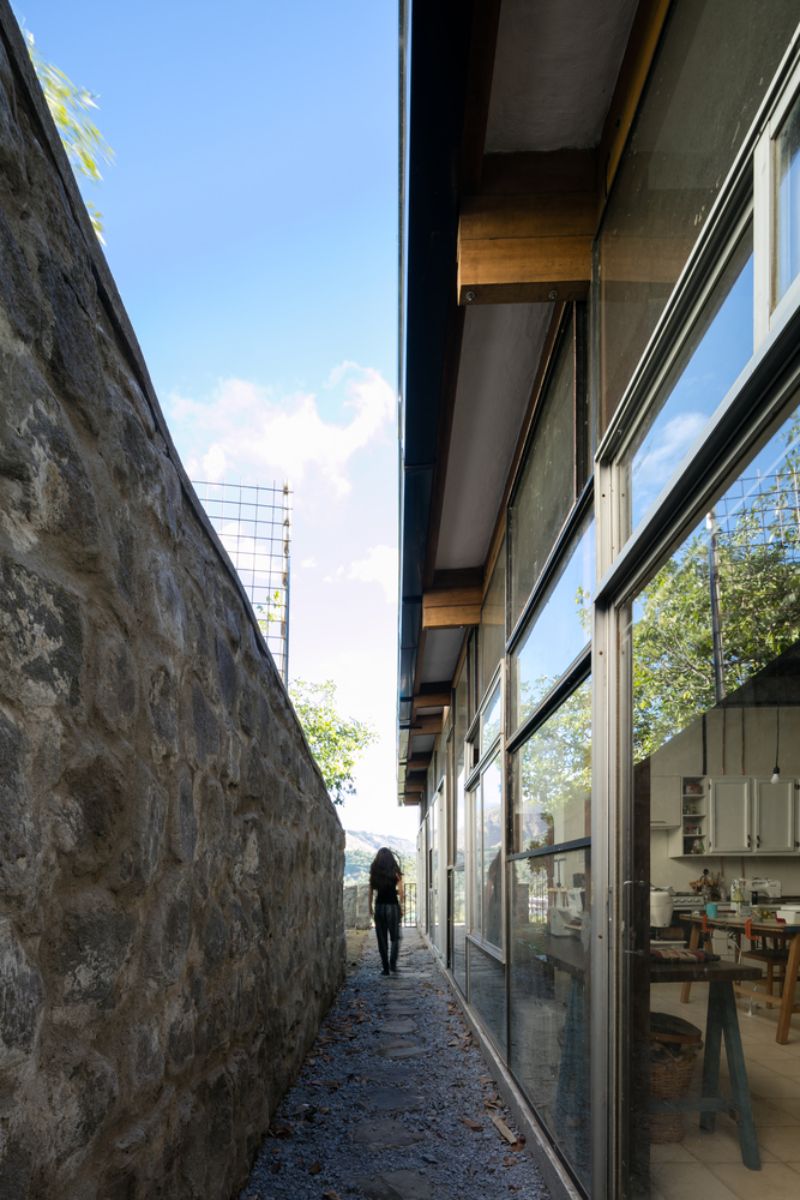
(756,557)
(555,770)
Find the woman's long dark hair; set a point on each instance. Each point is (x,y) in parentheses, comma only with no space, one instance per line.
(384,869)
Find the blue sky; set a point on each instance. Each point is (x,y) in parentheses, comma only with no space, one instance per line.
(251,225)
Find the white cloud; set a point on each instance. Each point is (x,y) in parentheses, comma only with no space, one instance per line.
(665,447)
(244,428)
(378,566)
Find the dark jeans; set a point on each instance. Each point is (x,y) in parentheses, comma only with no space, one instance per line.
(387,927)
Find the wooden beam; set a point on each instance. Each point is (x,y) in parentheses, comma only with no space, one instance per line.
(421,726)
(412,798)
(642,43)
(526,248)
(448,608)
(420,762)
(439,699)
(414,785)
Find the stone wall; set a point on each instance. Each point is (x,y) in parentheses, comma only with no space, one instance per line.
(171,925)
(356,906)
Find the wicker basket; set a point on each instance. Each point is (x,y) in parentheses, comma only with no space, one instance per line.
(674,1047)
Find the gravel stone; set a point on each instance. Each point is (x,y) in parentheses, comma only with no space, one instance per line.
(357,1125)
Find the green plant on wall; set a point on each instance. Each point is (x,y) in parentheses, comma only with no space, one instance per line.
(70,107)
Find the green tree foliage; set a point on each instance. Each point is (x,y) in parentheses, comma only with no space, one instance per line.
(70,107)
(555,771)
(335,741)
(756,558)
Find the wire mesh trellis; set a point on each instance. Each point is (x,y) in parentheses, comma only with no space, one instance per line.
(254,523)
(763,510)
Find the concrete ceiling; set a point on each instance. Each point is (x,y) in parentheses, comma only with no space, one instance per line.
(442,648)
(500,354)
(555,70)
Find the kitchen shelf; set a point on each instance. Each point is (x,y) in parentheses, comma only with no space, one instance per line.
(691,839)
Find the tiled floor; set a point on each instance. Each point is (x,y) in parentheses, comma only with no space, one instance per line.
(710,1165)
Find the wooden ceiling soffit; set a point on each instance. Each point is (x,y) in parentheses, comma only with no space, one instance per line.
(431,695)
(423,726)
(523,247)
(450,608)
(419,762)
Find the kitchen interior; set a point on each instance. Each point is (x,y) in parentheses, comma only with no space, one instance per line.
(724,847)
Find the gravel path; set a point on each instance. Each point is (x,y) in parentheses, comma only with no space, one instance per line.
(394,1102)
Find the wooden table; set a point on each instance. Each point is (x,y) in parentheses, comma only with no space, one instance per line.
(766,928)
(722,1024)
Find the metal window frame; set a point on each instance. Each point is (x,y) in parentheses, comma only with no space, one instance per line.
(752,410)
(770,312)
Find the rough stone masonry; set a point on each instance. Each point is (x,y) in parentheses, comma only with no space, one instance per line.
(171,923)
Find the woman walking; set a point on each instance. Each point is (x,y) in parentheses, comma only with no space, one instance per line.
(386,884)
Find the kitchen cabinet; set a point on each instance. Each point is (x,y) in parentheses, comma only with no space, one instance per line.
(773,816)
(733,814)
(665,801)
(730,820)
(752,816)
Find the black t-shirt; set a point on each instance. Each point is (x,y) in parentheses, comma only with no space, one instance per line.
(387,892)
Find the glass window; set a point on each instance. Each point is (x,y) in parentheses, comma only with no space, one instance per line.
(714,63)
(552,777)
(546,490)
(459,929)
(787,215)
(559,630)
(490,720)
(549,996)
(492,634)
(487,991)
(485,859)
(459,734)
(726,603)
(715,648)
(433,895)
(716,351)
(492,853)
(474,856)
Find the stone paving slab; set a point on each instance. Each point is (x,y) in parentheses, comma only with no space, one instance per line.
(394,1102)
(379,1133)
(399,1185)
(398,1026)
(394,1099)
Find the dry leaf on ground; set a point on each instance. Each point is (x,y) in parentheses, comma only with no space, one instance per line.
(470,1124)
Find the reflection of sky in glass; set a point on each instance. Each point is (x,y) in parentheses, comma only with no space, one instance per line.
(788,250)
(490,724)
(724,348)
(560,630)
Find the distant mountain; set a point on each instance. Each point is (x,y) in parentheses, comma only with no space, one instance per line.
(361,847)
(359,840)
